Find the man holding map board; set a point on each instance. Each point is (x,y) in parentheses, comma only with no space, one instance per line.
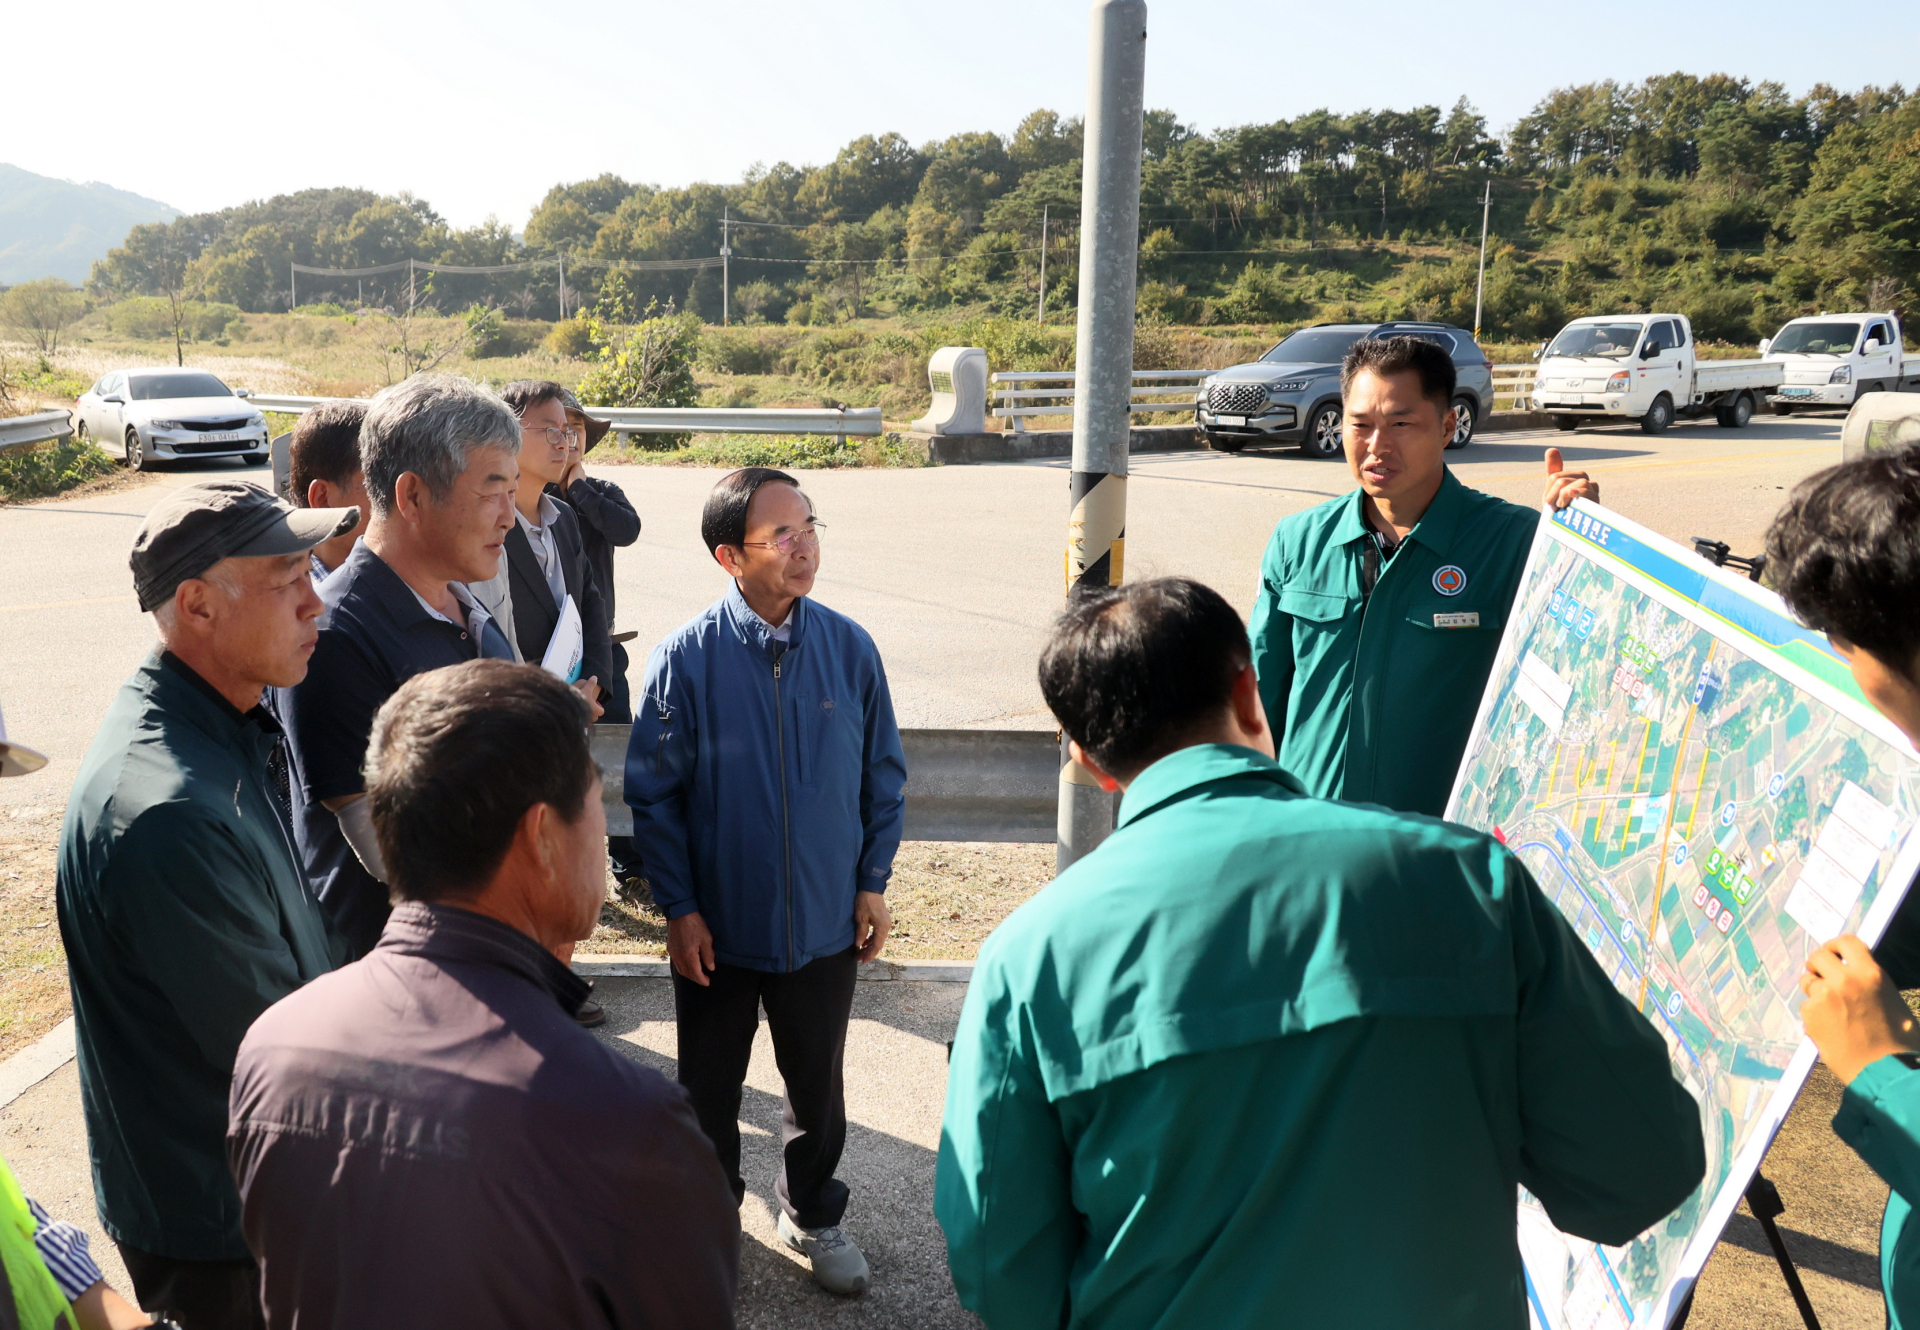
(1379,612)
(1845,554)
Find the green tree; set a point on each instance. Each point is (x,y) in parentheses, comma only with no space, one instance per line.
(42,311)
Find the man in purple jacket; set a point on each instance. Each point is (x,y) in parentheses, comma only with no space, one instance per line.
(427,1137)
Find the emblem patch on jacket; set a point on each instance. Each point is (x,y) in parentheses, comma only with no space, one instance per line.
(1449,580)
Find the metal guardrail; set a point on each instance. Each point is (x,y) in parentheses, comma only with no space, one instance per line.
(841,421)
(1173,385)
(962,785)
(1514,383)
(42,427)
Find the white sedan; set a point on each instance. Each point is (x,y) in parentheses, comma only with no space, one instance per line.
(157,415)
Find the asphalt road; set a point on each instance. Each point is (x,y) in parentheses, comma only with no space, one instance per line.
(955,570)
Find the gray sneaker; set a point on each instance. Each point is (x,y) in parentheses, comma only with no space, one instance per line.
(838,1266)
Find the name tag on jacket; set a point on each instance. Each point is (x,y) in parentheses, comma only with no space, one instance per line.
(1459,619)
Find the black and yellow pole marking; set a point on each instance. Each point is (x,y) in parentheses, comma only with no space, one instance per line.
(1096,531)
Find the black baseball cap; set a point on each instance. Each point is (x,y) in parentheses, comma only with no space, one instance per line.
(194,528)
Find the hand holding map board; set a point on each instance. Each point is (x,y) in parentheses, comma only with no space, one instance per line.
(1694,779)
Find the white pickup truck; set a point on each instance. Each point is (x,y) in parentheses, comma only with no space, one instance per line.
(1830,360)
(1642,367)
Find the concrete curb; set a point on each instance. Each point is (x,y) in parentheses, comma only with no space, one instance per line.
(610,966)
(37,1061)
(1026,445)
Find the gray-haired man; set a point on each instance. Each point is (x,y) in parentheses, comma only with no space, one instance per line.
(440,457)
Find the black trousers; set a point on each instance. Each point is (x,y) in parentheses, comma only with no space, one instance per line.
(807,1013)
(200,1295)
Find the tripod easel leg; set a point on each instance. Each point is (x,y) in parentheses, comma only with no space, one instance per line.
(1763,1198)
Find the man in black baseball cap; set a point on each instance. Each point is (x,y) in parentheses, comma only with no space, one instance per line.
(183,906)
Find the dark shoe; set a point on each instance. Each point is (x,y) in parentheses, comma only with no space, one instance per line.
(590,1013)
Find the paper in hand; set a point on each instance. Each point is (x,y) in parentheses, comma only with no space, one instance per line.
(567,646)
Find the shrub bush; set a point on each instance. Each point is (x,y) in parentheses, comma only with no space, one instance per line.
(572,338)
(47,469)
(151,318)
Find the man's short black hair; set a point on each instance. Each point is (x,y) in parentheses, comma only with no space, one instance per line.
(1845,555)
(325,446)
(725,520)
(458,756)
(523,394)
(1387,356)
(1132,671)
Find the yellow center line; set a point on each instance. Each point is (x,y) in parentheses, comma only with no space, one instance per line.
(63,604)
(1598,468)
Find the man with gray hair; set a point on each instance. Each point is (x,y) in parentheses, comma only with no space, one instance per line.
(183,909)
(440,459)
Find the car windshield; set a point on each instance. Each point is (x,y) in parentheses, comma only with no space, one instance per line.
(159,387)
(1611,340)
(1314,346)
(1815,339)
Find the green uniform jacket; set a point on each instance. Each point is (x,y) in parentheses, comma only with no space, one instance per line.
(1371,698)
(1262,1060)
(1880,1118)
(185,915)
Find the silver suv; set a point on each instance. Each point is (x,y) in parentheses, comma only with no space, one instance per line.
(1292,393)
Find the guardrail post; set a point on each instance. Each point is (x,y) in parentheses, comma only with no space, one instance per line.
(1103,353)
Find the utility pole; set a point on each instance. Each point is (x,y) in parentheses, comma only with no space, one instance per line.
(1383,207)
(293,286)
(1103,355)
(560,257)
(726,270)
(1480,291)
(1041,316)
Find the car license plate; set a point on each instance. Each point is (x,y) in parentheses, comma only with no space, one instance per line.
(1796,392)
(1231,422)
(222,436)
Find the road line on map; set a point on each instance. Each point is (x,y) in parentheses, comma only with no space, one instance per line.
(1666,833)
(63,604)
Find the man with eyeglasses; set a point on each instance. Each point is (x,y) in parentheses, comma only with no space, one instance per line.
(546,557)
(765,775)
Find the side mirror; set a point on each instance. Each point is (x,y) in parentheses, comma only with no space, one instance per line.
(117,401)
(243,392)
(1649,351)
(1766,344)
(1873,344)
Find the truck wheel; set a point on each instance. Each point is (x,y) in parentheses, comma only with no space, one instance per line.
(1781,408)
(1659,415)
(1323,433)
(1740,412)
(1464,421)
(1566,422)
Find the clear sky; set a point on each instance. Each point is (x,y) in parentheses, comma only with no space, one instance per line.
(480,106)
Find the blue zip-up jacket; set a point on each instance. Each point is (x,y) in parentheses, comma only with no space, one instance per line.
(766,785)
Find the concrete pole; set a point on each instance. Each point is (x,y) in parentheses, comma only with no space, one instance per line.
(1040,316)
(1103,353)
(1480,291)
(726,270)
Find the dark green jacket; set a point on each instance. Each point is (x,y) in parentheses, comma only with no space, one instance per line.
(1371,697)
(1263,1061)
(1880,1118)
(185,915)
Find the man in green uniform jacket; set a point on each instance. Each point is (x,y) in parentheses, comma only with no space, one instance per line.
(182,903)
(1379,612)
(1262,1060)
(1845,556)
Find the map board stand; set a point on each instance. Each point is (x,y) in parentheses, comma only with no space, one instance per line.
(1696,783)
(1763,1198)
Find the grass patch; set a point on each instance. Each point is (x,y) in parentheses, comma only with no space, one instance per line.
(798,453)
(43,470)
(33,965)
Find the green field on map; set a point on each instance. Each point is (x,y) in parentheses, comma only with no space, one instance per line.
(1693,779)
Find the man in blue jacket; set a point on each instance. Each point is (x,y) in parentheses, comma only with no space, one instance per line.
(765,775)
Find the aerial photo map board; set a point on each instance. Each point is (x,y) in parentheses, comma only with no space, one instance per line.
(1694,780)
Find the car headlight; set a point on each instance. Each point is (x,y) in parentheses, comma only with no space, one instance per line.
(256,419)
(165,424)
(1289,386)
(1843,374)
(1619,381)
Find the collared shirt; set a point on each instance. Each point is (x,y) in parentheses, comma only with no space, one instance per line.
(540,537)
(480,625)
(1251,1025)
(1371,690)
(317,572)
(184,914)
(376,634)
(435,1107)
(64,1248)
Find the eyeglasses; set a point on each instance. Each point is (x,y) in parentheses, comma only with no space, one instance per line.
(556,437)
(807,538)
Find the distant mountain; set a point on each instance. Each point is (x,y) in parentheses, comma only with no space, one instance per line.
(56,228)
